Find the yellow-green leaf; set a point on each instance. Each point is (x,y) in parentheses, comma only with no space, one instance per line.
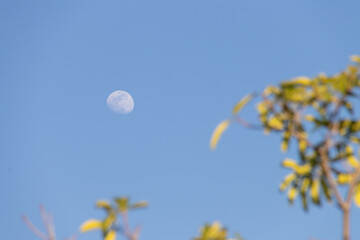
(103,204)
(275,123)
(343,178)
(239,105)
(352,160)
(219,130)
(357,195)
(302,145)
(304,81)
(355,58)
(314,191)
(140,204)
(285,141)
(111,235)
(214,230)
(271,90)
(261,107)
(284,146)
(305,185)
(326,190)
(287,180)
(303,170)
(109,221)
(91,224)
(289,163)
(293,192)
(122,203)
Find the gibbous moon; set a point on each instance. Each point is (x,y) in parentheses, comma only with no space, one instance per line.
(120,102)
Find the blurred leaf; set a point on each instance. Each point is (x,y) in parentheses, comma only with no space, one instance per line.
(292,193)
(289,163)
(141,204)
(218,132)
(326,190)
(287,180)
(357,195)
(285,141)
(343,178)
(122,203)
(305,185)
(239,105)
(262,109)
(314,191)
(275,123)
(109,221)
(304,81)
(355,58)
(302,145)
(111,235)
(91,224)
(303,169)
(304,202)
(103,204)
(352,160)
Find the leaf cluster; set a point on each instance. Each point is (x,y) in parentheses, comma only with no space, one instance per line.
(109,226)
(317,114)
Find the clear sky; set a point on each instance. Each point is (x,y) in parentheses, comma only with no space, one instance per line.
(185,63)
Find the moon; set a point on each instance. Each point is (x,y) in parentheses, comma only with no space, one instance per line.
(120,102)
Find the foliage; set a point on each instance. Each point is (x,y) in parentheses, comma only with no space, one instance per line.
(215,232)
(109,226)
(318,115)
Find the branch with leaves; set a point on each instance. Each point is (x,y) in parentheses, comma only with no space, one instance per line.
(318,115)
(110,225)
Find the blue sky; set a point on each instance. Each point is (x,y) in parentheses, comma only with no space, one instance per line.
(185,63)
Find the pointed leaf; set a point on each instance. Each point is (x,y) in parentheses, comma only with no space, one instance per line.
(239,105)
(109,221)
(218,132)
(122,203)
(141,204)
(292,193)
(357,195)
(91,224)
(287,180)
(314,191)
(111,235)
(103,204)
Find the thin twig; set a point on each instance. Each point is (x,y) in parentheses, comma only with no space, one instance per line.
(247,124)
(326,168)
(32,227)
(352,184)
(127,229)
